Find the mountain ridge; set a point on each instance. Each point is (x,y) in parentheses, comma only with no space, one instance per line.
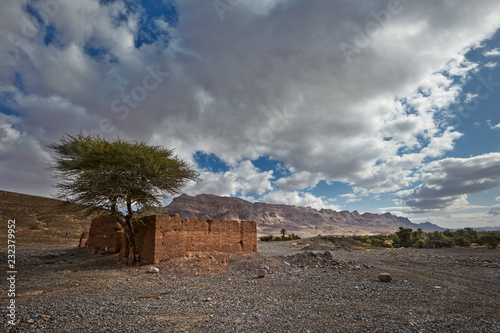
(305,221)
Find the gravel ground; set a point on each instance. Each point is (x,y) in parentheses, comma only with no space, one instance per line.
(306,289)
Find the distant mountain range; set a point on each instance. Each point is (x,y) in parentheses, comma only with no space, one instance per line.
(41,220)
(303,221)
(487,228)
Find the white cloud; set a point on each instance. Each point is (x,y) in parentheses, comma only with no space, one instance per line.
(244,178)
(494,210)
(447,182)
(270,80)
(496,127)
(351,197)
(491,65)
(297,198)
(298,181)
(492,53)
(469,97)
(24,162)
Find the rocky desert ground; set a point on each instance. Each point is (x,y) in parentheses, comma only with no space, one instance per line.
(327,286)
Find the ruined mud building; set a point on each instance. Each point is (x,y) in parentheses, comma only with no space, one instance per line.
(160,237)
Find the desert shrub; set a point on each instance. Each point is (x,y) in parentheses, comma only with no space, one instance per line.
(266,238)
(420,243)
(435,235)
(438,243)
(375,240)
(491,239)
(271,238)
(448,233)
(380,242)
(365,240)
(461,241)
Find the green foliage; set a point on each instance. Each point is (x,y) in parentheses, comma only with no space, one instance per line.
(408,238)
(267,238)
(435,235)
(118,176)
(462,241)
(420,243)
(271,238)
(438,243)
(404,235)
(377,240)
(417,234)
(108,173)
(491,239)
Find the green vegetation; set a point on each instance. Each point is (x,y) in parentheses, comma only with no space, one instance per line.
(117,176)
(283,237)
(407,237)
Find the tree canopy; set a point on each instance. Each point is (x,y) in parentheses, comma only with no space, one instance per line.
(118,176)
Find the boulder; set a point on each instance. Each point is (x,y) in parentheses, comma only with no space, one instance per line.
(153,270)
(385,277)
(261,273)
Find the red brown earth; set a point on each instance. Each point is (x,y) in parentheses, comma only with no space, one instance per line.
(40,221)
(432,290)
(160,237)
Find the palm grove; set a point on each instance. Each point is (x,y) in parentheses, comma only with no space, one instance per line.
(117,176)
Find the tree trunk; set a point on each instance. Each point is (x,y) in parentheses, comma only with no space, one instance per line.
(130,250)
(131,235)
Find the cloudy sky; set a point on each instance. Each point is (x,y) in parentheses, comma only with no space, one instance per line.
(372,106)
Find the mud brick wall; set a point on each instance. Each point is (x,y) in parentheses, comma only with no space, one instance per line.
(166,236)
(105,234)
(161,237)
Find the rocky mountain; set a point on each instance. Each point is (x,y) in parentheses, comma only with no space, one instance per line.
(303,221)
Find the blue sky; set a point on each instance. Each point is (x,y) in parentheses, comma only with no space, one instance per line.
(371,106)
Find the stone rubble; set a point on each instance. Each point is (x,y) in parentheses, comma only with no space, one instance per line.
(73,290)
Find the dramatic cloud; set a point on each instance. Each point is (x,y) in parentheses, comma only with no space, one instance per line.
(21,158)
(354,92)
(447,182)
(243,179)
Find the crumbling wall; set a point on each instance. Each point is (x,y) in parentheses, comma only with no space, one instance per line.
(174,236)
(105,234)
(161,237)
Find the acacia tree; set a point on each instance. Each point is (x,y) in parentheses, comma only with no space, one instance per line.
(117,176)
